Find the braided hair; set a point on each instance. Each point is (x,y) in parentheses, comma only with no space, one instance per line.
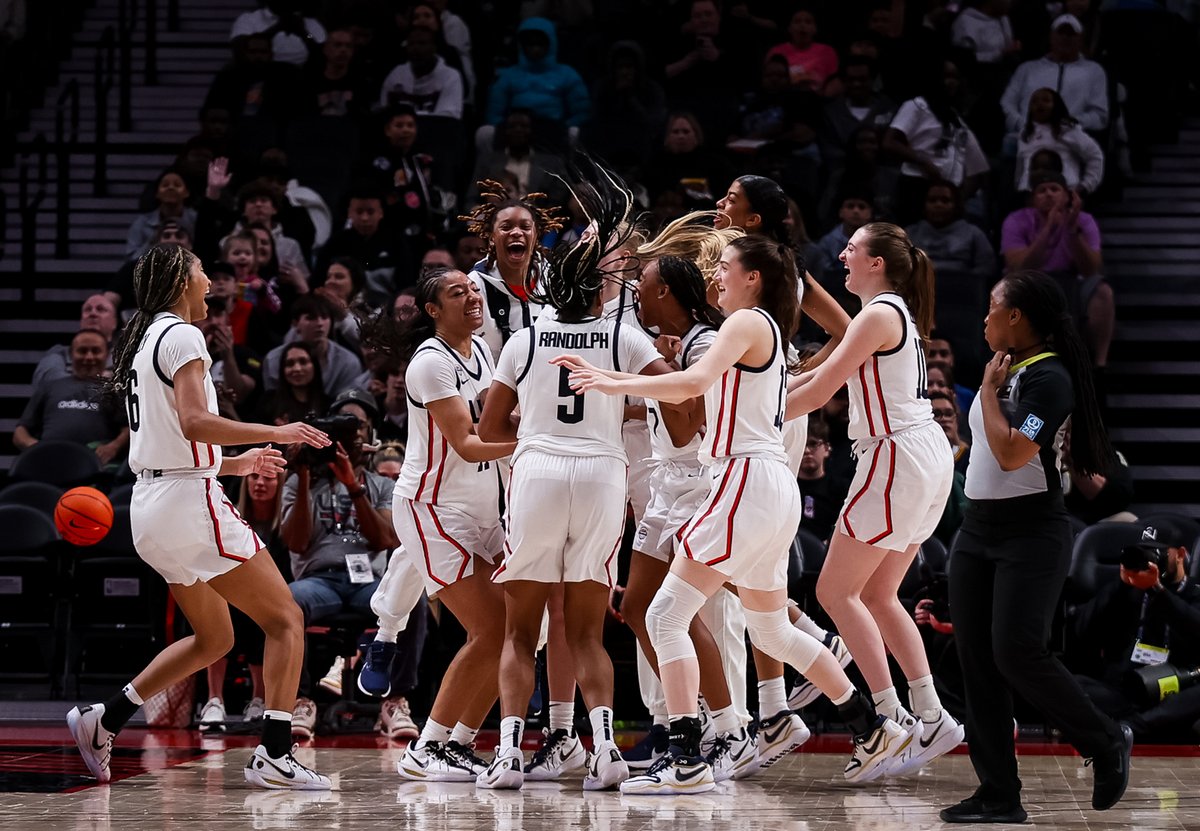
(576,273)
(687,285)
(494,197)
(159,280)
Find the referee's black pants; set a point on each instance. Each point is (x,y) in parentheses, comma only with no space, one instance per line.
(1007,570)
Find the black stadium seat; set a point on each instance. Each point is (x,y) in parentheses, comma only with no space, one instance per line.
(1096,557)
(61,463)
(30,591)
(38,495)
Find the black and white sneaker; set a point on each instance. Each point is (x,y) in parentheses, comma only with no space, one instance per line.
(649,750)
(283,773)
(94,742)
(779,735)
(734,756)
(561,752)
(672,775)
(506,772)
(875,750)
(466,755)
(433,762)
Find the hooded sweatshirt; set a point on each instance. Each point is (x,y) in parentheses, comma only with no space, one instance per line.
(549,89)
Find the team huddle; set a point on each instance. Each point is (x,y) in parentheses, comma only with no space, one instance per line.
(617,371)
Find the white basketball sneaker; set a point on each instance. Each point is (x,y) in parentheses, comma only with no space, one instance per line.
(506,772)
(606,768)
(94,742)
(433,762)
(671,775)
(779,735)
(561,752)
(283,773)
(934,738)
(874,750)
(734,756)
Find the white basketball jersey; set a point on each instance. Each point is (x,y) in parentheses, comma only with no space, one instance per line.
(554,419)
(432,471)
(156,441)
(694,344)
(744,409)
(887,394)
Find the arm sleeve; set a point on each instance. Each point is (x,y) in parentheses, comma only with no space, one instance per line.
(637,351)
(512,359)
(1046,400)
(179,345)
(431,377)
(905,118)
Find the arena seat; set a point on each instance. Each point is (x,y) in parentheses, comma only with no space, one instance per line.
(40,495)
(60,463)
(31,596)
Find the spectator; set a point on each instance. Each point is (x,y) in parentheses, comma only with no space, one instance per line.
(983,28)
(821,495)
(628,106)
(404,305)
(782,113)
(933,142)
(388,460)
(854,211)
(453,34)
(1097,497)
(299,391)
(119,291)
(233,366)
(534,172)
(273,168)
(945,413)
(285,279)
(864,168)
(1051,127)
(939,354)
(858,105)
(468,249)
(171,193)
(223,295)
(552,92)
(253,85)
(1082,84)
(259,201)
(311,321)
(293,36)
(810,64)
(410,198)
(940,379)
(965,267)
(70,409)
(1146,618)
(335,86)
(240,250)
(98,314)
(1058,237)
(708,75)
(372,241)
(342,285)
(393,425)
(424,82)
(337,524)
(685,162)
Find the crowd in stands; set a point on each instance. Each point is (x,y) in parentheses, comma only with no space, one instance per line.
(337,150)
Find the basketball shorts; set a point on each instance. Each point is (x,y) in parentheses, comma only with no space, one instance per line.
(565,519)
(900,487)
(635,435)
(746,523)
(441,541)
(186,529)
(676,491)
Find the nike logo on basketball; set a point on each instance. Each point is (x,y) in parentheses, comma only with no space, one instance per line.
(932,736)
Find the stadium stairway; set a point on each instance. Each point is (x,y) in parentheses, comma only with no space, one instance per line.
(1151,240)
(164,116)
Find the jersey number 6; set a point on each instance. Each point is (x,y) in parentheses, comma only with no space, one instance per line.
(574,413)
(132,404)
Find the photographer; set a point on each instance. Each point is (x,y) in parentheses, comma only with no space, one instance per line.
(1144,626)
(337,524)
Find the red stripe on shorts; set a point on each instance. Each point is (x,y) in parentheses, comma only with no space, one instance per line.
(887,428)
(428,454)
(737,499)
(857,496)
(887,496)
(720,414)
(862,379)
(195,455)
(424,547)
(212,513)
(465,554)
(737,385)
(716,498)
(437,485)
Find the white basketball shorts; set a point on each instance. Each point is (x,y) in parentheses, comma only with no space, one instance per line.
(676,492)
(441,541)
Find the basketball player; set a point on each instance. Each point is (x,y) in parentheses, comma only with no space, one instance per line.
(447,508)
(566,498)
(742,530)
(903,478)
(186,529)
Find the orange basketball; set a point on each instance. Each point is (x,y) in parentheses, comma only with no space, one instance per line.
(83,516)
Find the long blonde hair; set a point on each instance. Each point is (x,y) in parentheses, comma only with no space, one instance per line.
(692,237)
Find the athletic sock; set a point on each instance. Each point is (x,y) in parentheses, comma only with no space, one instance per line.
(562,716)
(663,720)
(386,634)
(602,729)
(887,702)
(119,709)
(772,697)
(433,732)
(924,698)
(809,627)
(277,733)
(464,735)
(725,720)
(512,728)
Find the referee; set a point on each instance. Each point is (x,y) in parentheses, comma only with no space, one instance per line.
(1011,558)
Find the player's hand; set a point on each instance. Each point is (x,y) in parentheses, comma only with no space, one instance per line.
(265,461)
(343,470)
(300,433)
(995,374)
(571,362)
(668,346)
(615,595)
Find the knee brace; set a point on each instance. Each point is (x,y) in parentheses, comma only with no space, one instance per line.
(774,634)
(669,617)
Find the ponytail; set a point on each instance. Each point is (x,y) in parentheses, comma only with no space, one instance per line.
(382,332)
(779,296)
(908,268)
(687,286)
(1042,301)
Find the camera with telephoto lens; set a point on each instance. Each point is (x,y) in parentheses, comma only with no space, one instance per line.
(1149,685)
(341,429)
(1141,557)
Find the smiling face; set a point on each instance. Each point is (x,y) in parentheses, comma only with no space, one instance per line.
(737,287)
(862,270)
(89,353)
(264,248)
(240,253)
(401,131)
(459,308)
(339,282)
(513,237)
(297,367)
(651,291)
(98,313)
(734,211)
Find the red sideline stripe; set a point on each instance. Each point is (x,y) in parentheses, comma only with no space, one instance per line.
(737,499)
(258,543)
(887,496)
(212,513)
(425,547)
(862,379)
(465,554)
(887,428)
(720,414)
(737,385)
(608,562)
(711,507)
(212,459)
(857,496)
